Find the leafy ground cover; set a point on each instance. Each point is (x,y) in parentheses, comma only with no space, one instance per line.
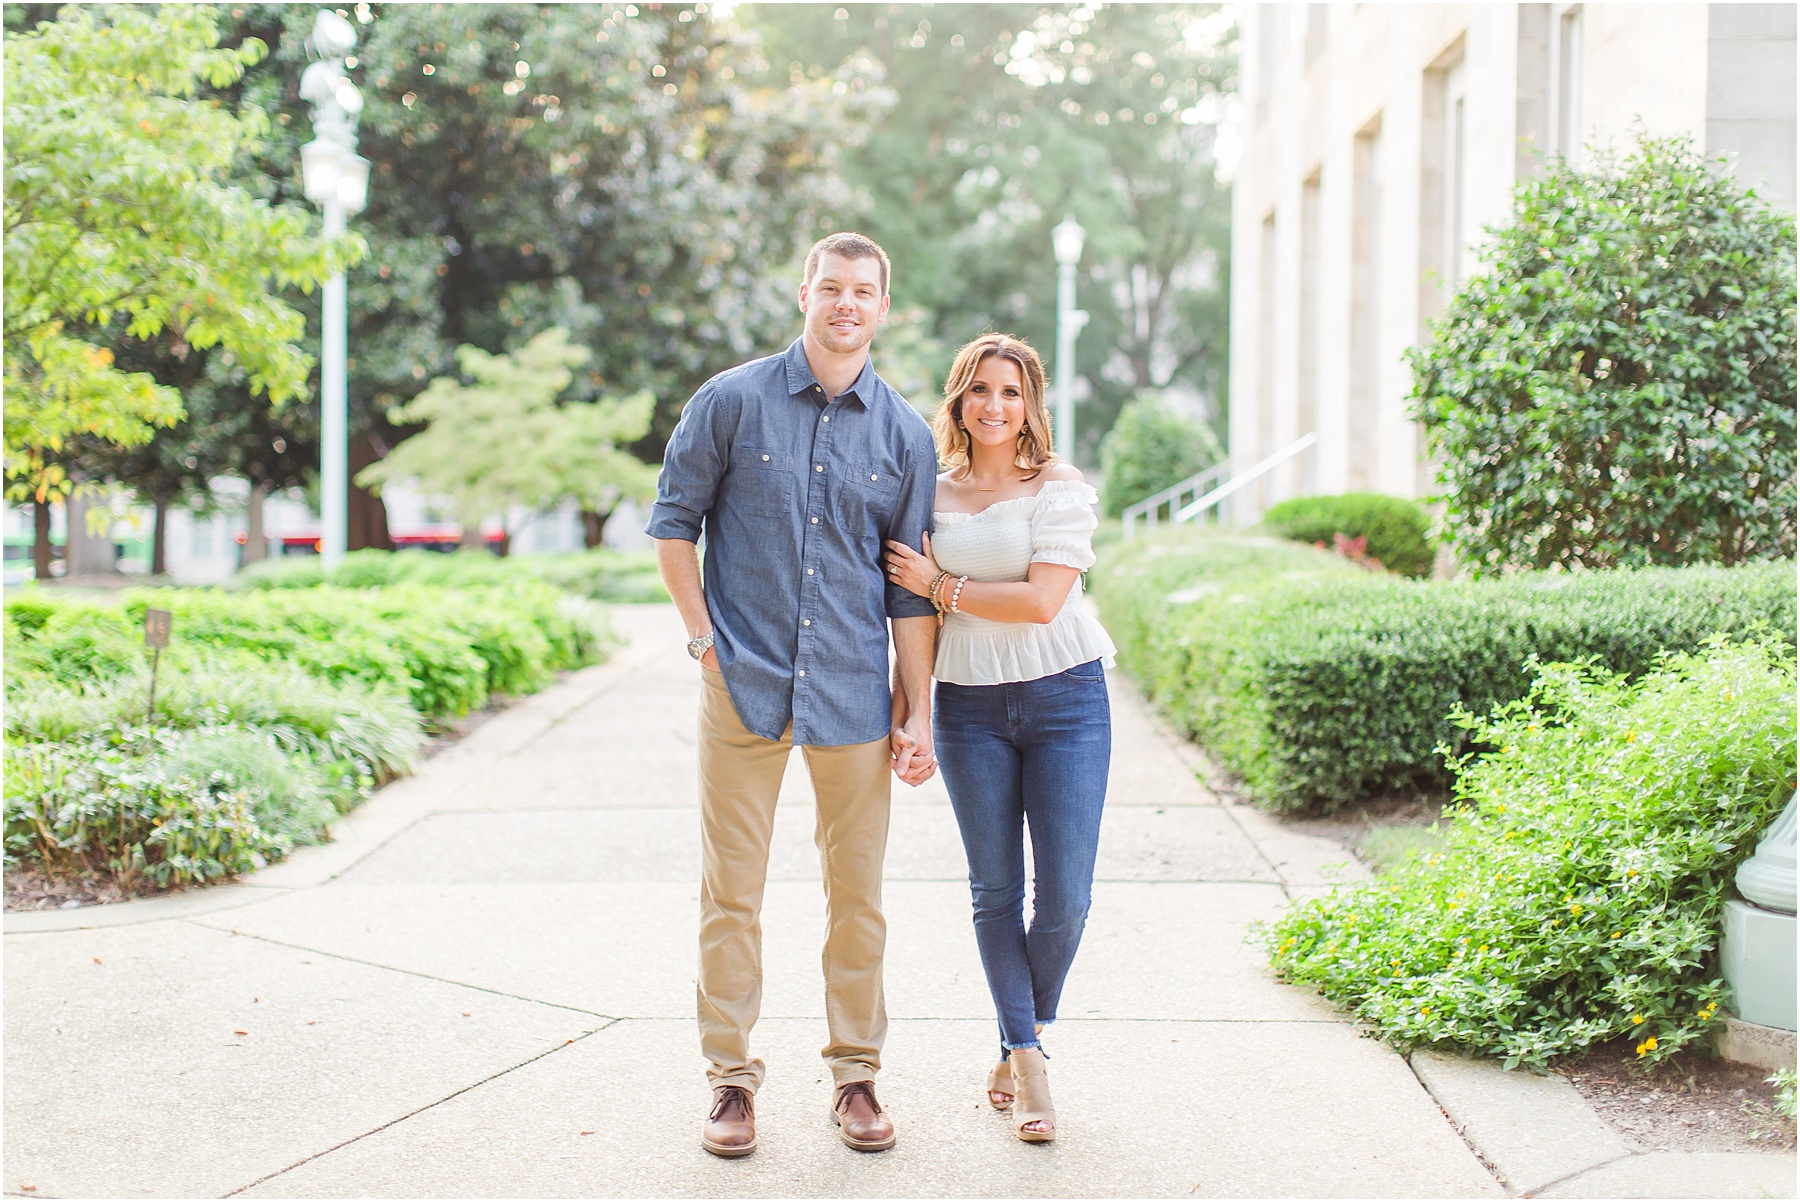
(1575,895)
(274,713)
(1316,682)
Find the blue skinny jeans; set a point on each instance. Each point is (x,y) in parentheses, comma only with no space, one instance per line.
(1027,754)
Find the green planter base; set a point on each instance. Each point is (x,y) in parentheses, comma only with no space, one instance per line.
(1757,954)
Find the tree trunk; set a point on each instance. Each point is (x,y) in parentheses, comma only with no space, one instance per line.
(472,539)
(503,548)
(41,551)
(159,539)
(367,515)
(593,527)
(256,538)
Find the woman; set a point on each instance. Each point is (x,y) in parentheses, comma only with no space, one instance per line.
(1021,723)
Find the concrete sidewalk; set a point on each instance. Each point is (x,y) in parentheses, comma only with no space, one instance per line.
(484,988)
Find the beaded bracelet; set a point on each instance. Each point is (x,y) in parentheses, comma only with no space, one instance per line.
(957,595)
(931,593)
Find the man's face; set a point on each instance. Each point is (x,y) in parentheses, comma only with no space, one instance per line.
(843,303)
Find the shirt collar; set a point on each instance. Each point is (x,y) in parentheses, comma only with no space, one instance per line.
(800,378)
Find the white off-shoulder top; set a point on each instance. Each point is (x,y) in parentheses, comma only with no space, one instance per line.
(1000,544)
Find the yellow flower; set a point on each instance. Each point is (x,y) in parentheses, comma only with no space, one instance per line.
(1649,1045)
(1424,1009)
(1616,934)
(1484,947)
(1636,1019)
(1631,736)
(1575,909)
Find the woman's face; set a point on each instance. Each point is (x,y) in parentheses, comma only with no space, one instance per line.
(993,408)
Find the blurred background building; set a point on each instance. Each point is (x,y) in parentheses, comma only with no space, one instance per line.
(1379,140)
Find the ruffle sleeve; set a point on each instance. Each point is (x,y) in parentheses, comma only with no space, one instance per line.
(1063,524)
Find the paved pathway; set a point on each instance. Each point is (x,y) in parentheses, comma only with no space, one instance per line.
(485,988)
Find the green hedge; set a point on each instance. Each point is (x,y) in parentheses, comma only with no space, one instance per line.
(275,711)
(1394,528)
(600,574)
(1576,895)
(1316,682)
(447,649)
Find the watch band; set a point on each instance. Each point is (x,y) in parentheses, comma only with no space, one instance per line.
(698,647)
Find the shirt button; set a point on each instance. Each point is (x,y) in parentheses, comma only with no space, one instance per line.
(871,477)
(826,418)
(806,621)
(815,521)
(765,458)
(809,571)
(803,671)
(818,467)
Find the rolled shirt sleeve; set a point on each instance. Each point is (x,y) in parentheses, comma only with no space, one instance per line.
(912,518)
(693,465)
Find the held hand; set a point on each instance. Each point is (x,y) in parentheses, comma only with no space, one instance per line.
(913,760)
(909,569)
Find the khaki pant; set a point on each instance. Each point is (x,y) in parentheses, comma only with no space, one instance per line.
(740,777)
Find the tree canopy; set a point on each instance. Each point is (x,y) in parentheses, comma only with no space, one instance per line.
(501,442)
(122,224)
(986,123)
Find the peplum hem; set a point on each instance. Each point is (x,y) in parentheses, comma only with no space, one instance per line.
(1010,651)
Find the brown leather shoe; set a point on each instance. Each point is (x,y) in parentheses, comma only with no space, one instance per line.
(862,1123)
(730,1129)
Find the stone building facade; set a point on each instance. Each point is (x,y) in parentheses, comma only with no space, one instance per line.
(1379,140)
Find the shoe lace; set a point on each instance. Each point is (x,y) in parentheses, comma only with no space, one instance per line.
(730,1096)
(865,1089)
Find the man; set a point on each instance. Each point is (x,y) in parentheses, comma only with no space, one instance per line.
(797,467)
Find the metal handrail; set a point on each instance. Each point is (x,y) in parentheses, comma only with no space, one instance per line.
(1148,507)
(1212,499)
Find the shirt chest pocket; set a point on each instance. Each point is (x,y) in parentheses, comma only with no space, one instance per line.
(761,483)
(866,495)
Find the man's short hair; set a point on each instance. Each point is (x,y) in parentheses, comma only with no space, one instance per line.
(847,246)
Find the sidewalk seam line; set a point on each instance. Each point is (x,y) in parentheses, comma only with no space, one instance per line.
(411,972)
(1551,1184)
(418,1111)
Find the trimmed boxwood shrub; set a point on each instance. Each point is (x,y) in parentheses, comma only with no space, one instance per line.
(1576,895)
(1393,527)
(1317,683)
(1615,386)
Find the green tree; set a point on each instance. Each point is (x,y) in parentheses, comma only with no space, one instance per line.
(121,225)
(1617,386)
(988,122)
(1152,447)
(501,442)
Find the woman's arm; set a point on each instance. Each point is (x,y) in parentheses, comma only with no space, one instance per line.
(1038,598)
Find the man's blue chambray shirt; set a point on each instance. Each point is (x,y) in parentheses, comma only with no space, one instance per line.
(796,493)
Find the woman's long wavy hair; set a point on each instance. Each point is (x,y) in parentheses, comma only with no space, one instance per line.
(1035,451)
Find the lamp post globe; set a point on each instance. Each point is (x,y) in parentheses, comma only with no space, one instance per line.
(1066,241)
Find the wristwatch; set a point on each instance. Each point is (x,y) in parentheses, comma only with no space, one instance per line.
(697,647)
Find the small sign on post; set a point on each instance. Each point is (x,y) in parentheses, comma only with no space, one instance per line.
(157,624)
